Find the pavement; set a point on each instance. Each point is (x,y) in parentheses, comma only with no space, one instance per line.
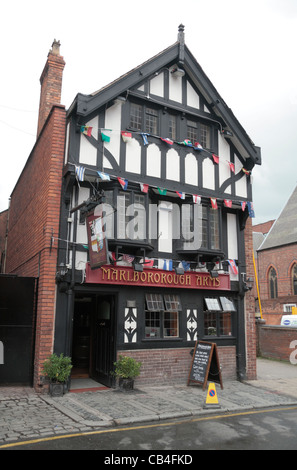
(26,415)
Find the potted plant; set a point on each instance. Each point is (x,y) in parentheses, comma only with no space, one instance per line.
(126,369)
(57,369)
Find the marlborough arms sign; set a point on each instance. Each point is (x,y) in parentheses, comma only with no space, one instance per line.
(126,276)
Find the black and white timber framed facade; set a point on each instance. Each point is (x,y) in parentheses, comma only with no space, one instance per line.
(176,255)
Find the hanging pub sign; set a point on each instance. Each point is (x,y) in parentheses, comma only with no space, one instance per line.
(97,242)
(205,364)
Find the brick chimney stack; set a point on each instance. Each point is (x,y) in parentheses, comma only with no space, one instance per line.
(51,84)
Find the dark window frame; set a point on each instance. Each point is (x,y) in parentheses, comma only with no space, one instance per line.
(216,318)
(156,318)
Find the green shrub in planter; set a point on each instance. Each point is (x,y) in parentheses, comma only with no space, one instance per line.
(57,368)
(127,367)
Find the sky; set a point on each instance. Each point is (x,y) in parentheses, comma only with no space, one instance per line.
(247,50)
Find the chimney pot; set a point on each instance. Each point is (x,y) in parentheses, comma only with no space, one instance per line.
(55,47)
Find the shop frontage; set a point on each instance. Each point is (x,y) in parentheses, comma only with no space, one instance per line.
(155,316)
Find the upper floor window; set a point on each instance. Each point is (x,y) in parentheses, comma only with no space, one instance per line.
(151,120)
(144,119)
(128,222)
(199,132)
(272,279)
(205,136)
(192,131)
(172,127)
(136,116)
(294,279)
(210,228)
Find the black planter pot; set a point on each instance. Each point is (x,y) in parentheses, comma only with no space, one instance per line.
(126,385)
(56,389)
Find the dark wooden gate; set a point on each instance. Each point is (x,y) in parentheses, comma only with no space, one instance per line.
(17,329)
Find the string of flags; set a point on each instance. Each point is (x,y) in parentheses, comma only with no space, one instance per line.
(167,264)
(196,199)
(127,136)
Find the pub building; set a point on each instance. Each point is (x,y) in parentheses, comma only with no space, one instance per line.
(154,249)
(157,173)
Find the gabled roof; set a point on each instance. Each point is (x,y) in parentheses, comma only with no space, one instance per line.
(284,229)
(180,54)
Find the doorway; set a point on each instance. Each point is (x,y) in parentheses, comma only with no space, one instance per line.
(93,346)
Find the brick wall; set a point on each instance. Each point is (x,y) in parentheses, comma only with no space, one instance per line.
(172,366)
(33,219)
(3,227)
(282,259)
(264,227)
(250,326)
(275,341)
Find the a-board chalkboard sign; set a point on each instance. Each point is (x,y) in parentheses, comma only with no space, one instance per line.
(205,364)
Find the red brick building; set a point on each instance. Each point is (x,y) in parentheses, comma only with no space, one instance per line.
(34,211)
(160,148)
(277,264)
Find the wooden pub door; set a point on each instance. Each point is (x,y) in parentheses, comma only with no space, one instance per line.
(103,340)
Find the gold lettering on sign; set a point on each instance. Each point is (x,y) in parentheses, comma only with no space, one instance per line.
(157,278)
(146,277)
(105,271)
(122,275)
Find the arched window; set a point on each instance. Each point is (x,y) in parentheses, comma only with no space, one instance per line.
(272,279)
(294,279)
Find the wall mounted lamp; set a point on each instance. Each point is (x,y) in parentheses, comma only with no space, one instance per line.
(61,272)
(177,72)
(138,267)
(179,271)
(247,283)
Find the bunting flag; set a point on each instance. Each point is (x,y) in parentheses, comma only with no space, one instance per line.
(167,140)
(181,195)
(162,191)
(144,137)
(148,262)
(87,130)
(112,257)
(128,258)
(187,142)
(228,202)
(243,205)
(196,199)
(198,146)
(123,182)
(144,187)
(215,158)
(104,137)
(80,172)
(103,176)
(232,167)
(233,266)
(126,136)
(186,265)
(167,266)
(213,203)
(246,171)
(251,209)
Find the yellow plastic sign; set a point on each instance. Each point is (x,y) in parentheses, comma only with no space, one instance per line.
(294,310)
(212,398)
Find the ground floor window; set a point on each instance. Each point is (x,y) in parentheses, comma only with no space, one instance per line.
(218,316)
(162,316)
